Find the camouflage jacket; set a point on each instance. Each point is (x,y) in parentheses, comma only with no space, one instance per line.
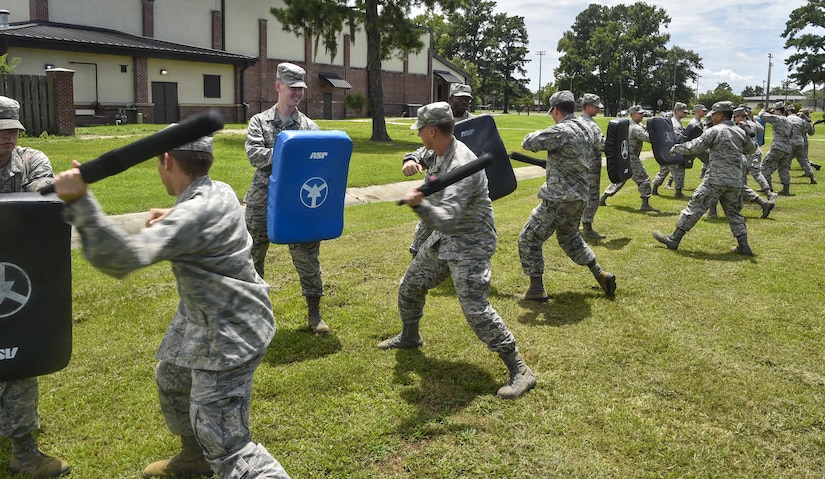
(224,317)
(461,215)
(801,129)
(598,134)
(782,131)
(261,133)
(726,144)
(27,171)
(569,144)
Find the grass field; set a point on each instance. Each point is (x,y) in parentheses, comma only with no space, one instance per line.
(706,364)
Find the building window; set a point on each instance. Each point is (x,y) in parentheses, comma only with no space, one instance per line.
(212,86)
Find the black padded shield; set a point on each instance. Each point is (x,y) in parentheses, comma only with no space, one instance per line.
(691,132)
(35,286)
(617,150)
(662,139)
(480,134)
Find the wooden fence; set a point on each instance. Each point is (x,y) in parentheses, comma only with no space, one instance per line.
(35,93)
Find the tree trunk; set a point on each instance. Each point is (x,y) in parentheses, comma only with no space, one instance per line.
(374,71)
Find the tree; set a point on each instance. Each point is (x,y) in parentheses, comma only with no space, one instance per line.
(753,91)
(619,53)
(722,92)
(388,29)
(6,66)
(809,59)
(506,56)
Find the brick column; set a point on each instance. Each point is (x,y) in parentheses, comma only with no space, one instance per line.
(148,18)
(39,10)
(140,68)
(63,82)
(217,30)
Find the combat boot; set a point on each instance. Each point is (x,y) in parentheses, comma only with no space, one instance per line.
(767,206)
(813,180)
(408,338)
(316,323)
(678,193)
(521,380)
(772,196)
(786,189)
(28,459)
(646,205)
(669,182)
(815,166)
(672,240)
(712,212)
(655,191)
(743,248)
(189,462)
(603,200)
(589,232)
(608,283)
(536,291)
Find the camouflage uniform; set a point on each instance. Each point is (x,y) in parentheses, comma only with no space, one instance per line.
(799,142)
(725,143)
(28,170)
(636,136)
(463,240)
(569,145)
(222,326)
(754,161)
(260,138)
(779,155)
(594,173)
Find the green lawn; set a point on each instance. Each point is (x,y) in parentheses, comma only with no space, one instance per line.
(705,365)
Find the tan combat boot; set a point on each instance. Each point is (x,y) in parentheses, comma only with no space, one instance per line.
(26,458)
(189,462)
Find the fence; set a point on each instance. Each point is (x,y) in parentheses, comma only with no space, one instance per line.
(35,93)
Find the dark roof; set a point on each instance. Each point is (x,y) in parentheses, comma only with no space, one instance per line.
(79,38)
(335,80)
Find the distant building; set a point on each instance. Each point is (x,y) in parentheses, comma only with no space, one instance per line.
(167,59)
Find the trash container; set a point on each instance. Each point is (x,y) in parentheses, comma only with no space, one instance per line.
(412,109)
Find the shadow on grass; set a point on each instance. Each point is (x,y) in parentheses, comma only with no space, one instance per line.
(444,388)
(611,244)
(292,346)
(727,256)
(561,309)
(657,214)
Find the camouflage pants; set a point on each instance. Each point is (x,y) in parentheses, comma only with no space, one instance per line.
(471,278)
(677,172)
(640,177)
(18,407)
(562,218)
(213,406)
(705,196)
(304,255)
(754,168)
(594,189)
(801,155)
(777,160)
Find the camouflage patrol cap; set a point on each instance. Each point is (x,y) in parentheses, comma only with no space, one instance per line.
(790,108)
(636,109)
(203,143)
(699,107)
(741,111)
(592,99)
(460,89)
(437,113)
(679,106)
(560,97)
(10,114)
(291,75)
(722,106)
(780,105)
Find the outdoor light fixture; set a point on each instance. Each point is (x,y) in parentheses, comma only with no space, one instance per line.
(164,71)
(48,66)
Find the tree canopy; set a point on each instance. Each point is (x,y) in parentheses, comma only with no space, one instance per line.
(388,27)
(620,53)
(809,59)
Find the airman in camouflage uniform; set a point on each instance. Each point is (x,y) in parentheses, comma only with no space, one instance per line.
(676,170)
(223,323)
(463,240)
(419,160)
(22,170)
(591,104)
(799,141)
(726,143)
(779,155)
(569,144)
(637,134)
(740,118)
(754,162)
(262,131)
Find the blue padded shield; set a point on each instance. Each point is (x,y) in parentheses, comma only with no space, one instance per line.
(308,186)
(662,139)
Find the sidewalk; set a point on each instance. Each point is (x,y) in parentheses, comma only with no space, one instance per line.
(134,222)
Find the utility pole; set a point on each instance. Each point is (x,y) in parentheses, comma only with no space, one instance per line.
(768,88)
(540,53)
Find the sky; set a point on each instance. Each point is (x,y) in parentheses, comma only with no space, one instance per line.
(732,37)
